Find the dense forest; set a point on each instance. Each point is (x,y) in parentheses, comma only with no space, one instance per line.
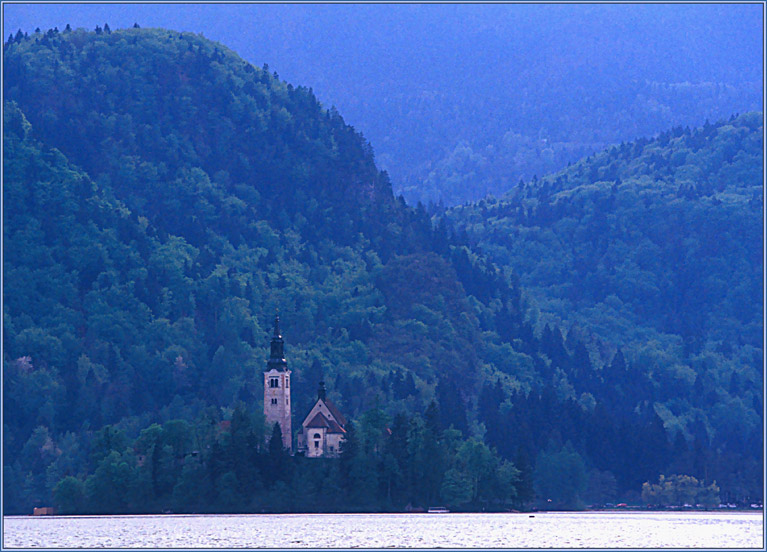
(163,198)
(462,100)
(654,247)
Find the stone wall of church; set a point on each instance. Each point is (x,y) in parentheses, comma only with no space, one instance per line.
(329,443)
(277,405)
(333,443)
(312,450)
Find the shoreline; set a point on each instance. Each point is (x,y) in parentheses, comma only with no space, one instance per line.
(529,514)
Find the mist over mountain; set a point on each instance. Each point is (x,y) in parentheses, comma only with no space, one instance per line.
(459,100)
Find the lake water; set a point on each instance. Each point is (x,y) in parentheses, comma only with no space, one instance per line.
(540,530)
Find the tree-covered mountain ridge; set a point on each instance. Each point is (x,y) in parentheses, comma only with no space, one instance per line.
(656,247)
(490,93)
(157,216)
(148,247)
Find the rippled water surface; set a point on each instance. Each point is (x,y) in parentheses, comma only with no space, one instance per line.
(541,530)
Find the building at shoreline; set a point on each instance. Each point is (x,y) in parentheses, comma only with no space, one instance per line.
(322,430)
(277,407)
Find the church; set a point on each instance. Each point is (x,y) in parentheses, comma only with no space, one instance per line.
(322,431)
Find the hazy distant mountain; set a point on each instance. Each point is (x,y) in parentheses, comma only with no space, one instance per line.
(464,100)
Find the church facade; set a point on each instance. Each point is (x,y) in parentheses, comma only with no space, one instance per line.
(322,431)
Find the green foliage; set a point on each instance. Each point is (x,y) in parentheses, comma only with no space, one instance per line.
(378,471)
(69,495)
(560,477)
(153,263)
(456,488)
(649,252)
(602,488)
(108,487)
(680,490)
(163,197)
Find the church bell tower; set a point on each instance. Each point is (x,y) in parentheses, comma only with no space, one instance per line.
(277,389)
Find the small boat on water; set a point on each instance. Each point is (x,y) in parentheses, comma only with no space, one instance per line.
(438,510)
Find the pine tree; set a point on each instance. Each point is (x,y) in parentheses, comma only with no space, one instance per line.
(434,452)
(275,442)
(451,406)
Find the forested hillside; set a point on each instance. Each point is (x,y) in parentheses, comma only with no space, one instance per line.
(163,198)
(462,100)
(654,247)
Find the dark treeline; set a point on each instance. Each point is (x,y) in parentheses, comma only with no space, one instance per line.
(163,197)
(211,465)
(653,246)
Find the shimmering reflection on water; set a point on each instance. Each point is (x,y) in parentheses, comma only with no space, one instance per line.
(541,530)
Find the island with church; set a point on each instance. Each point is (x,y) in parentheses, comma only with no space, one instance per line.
(248,458)
(322,430)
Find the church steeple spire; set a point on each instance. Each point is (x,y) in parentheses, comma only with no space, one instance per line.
(321,391)
(277,388)
(277,356)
